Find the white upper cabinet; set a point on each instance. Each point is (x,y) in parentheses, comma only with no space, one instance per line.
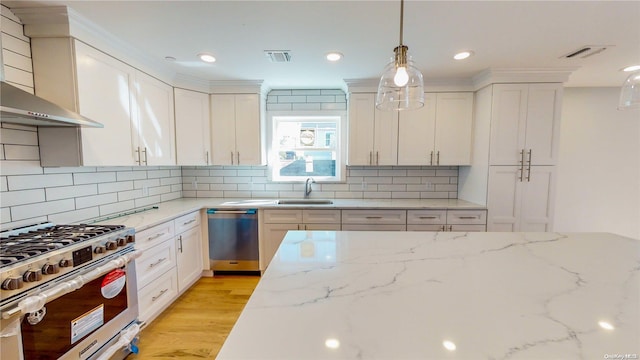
(236,129)
(525,124)
(155,122)
(135,108)
(373,134)
(193,144)
(439,133)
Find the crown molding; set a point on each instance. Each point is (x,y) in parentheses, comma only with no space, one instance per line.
(521,75)
(236,87)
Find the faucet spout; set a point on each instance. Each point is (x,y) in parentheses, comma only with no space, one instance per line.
(307,187)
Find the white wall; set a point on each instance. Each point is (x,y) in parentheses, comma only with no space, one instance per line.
(598,186)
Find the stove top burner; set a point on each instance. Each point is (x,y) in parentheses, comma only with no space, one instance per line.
(20,246)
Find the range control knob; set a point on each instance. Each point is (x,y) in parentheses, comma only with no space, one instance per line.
(122,241)
(65,263)
(12,283)
(131,238)
(32,276)
(111,245)
(49,269)
(99,249)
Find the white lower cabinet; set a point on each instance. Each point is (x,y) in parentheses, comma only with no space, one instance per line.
(276,223)
(521,199)
(188,250)
(447,220)
(170,263)
(374,220)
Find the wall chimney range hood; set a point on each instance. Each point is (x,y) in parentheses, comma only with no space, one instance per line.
(20,107)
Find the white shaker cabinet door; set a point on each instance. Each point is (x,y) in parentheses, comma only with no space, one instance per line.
(385,141)
(156,122)
(538,195)
(504,199)
(508,123)
(543,125)
(454,121)
(248,140)
(416,134)
(189,257)
(361,129)
(104,86)
(193,145)
(223,129)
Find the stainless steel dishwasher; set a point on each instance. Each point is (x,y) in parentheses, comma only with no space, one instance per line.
(233,239)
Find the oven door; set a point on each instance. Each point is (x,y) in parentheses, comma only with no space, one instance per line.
(82,323)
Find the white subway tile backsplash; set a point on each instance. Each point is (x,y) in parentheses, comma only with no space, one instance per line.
(69,192)
(158,174)
(446,187)
(292,99)
(116,207)
(92,178)
(22,212)
(237,194)
(279,92)
(139,184)
(222,172)
(129,195)
(131,175)
(407,180)
(278,187)
(5,215)
(3,184)
(434,195)
(378,179)
(20,168)
(278,107)
(377,194)
(223,187)
(392,187)
(76,216)
(147,201)
(69,170)
(392,172)
(95,200)
(214,194)
(159,190)
(115,186)
(405,195)
(333,106)
(446,172)
(12,198)
(237,180)
(360,172)
(170,196)
(170,181)
(21,182)
(305,92)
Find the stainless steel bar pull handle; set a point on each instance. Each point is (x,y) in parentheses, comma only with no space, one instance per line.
(159,295)
(155,236)
(468,217)
(377,158)
(521,165)
(431,159)
(232,158)
(207,157)
(137,151)
(238,157)
(373,217)
(180,240)
(145,156)
(529,167)
(428,217)
(370,157)
(157,262)
(438,158)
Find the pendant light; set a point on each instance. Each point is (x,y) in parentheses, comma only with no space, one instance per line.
(401,86)
(630,92)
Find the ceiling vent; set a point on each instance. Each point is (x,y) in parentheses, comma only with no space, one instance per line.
(585,51)
(278,56)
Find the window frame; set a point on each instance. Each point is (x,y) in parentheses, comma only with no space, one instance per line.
(310,116)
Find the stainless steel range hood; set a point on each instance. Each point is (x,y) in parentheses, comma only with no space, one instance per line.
(20,107)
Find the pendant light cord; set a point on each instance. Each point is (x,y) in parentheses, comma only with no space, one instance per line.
(401,19)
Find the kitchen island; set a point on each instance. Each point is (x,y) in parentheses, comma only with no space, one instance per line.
(420,295)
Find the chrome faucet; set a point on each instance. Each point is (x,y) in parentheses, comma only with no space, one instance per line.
(307,187)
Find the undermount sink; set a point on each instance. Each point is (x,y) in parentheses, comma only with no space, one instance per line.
(305,202)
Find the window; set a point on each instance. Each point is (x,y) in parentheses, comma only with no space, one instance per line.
(306,146)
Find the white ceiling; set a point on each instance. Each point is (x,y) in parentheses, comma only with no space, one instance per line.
(505,34)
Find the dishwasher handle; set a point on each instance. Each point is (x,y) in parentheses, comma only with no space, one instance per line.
(231,211)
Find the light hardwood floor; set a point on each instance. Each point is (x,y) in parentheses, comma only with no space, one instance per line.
(196,325)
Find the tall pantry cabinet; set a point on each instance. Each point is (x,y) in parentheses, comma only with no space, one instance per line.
(522,124)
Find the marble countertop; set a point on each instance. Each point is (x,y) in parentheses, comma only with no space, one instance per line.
(174,208)
(421,295)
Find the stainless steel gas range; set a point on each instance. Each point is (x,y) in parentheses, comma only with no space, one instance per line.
(68,292)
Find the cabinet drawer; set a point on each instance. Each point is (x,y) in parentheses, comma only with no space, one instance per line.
(155,261)
(470,217)
(425,227)
(321,216)
(186,222)
(468,228)
(283,216)
(328,227)
(377,217)
(427,217)
(153,298)
(154,235)
(363,227)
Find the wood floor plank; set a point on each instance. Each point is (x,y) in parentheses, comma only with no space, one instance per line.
(196,325)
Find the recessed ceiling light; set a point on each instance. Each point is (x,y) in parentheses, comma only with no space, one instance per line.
(170,58)
(207,57)
(605,325)
(463,55)
(449,345)
(334,56)
(631,68)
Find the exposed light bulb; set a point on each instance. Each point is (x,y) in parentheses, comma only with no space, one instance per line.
(401,78)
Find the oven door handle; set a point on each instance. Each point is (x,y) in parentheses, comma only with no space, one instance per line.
(126,337)
(36,302)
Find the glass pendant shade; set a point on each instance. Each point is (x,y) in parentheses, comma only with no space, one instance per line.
(401,85)
(630,93)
